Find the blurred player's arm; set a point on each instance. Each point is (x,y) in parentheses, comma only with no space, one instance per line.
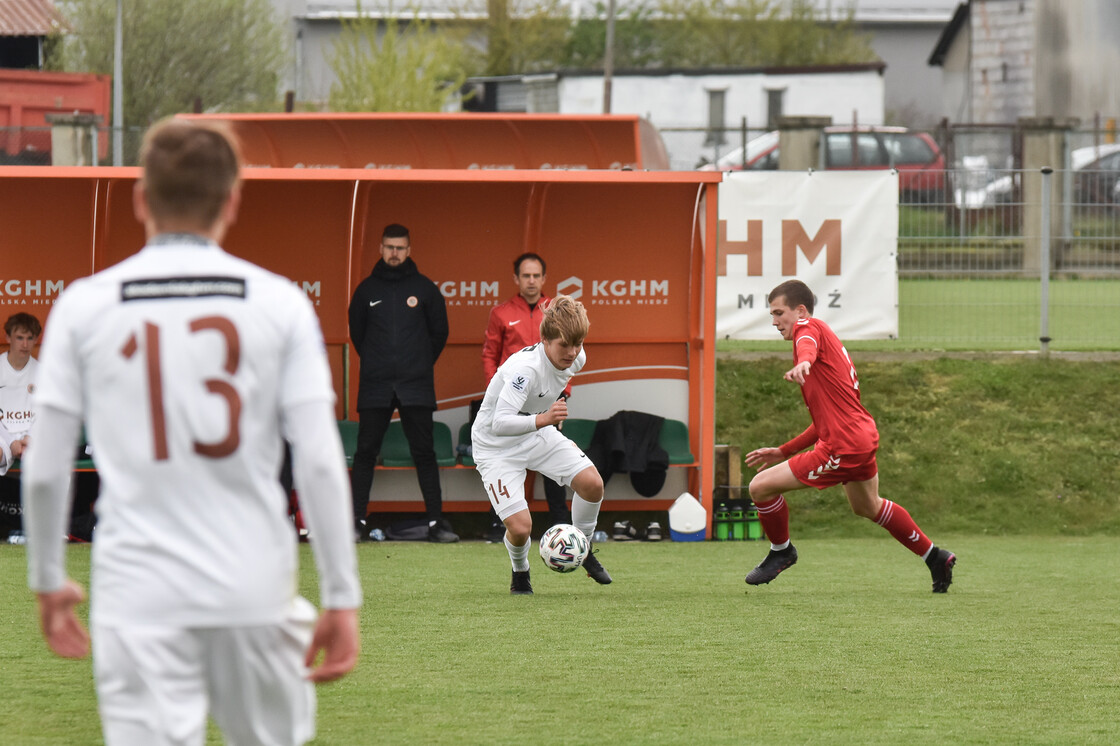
(319,473)
(46,510)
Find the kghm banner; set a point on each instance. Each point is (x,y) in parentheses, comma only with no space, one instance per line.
(837,231)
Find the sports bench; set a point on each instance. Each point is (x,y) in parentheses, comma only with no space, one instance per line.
(395,455)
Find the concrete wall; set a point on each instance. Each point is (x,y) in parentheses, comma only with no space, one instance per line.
(1078,59)
(1003,58)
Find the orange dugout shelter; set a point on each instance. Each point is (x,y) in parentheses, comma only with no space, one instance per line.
(637,248)
(434,140)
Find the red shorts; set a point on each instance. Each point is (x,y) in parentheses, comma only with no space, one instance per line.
(819,468)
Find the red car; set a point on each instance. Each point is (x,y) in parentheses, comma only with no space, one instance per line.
(920,163)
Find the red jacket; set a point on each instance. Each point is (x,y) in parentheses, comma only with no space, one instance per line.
(512,326)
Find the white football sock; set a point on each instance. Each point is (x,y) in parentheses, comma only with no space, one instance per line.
(518,556)
(585,515)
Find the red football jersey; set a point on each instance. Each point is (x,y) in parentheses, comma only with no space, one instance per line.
(831,390)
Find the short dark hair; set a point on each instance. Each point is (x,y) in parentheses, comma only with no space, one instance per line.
(395,230)
(24,321)
(525,256)
(189,169)
(796,294)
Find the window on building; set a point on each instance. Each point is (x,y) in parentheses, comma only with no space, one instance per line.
(774,98)
(716,110)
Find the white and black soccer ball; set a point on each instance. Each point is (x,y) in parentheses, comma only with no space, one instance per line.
(564,547)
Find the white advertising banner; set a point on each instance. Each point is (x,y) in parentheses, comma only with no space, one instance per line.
(837,231)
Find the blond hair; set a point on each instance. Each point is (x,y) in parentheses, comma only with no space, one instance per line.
(190,168)
(566,319)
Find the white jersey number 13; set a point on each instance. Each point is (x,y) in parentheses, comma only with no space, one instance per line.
(218,387)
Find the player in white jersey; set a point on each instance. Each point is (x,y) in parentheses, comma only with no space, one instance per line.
(17,373)
(188,366)
(515,430)
(17,379)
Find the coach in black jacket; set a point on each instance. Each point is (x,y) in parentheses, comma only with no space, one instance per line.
(398,324)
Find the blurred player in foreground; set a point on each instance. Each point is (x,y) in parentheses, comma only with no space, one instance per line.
(515,431)
(188,366)
(844,439)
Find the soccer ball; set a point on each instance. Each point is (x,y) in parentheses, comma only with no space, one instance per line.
(564,547)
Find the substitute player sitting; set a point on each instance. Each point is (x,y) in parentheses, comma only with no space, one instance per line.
(515,430)
(844,439)
(189,368)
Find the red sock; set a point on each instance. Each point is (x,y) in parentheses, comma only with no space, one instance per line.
(894,518)
(774,517)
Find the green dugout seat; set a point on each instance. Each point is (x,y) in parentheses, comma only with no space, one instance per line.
(579,431)
(674,439)
(465,439)
(394,449)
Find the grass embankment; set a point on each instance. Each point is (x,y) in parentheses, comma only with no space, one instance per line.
(1000,445)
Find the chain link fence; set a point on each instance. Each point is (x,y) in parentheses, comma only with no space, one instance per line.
(971,263)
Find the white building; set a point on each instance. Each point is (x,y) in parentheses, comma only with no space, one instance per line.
(699,112)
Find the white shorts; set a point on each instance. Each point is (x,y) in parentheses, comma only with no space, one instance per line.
(156,684)
(546,451)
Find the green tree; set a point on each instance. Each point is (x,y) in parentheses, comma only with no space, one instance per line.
(533,34)
(396,66)
(226,53)
(716,33)
(636,42)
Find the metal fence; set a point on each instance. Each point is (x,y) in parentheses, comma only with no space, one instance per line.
(970,252)
(971,261)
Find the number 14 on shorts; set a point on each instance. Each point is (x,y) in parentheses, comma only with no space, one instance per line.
(498,493)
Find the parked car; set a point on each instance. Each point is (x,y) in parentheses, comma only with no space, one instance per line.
(920,163)
(1096,181)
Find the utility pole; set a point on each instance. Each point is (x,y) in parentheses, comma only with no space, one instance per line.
(118,89)
(608,59)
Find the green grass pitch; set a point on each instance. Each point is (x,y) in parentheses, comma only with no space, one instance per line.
(848,646)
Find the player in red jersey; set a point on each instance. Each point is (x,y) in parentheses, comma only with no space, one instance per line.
(844,440)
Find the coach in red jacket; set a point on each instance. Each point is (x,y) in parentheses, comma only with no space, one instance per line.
(513,325)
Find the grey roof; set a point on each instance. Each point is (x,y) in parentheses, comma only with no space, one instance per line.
(866,11)
(948,34)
